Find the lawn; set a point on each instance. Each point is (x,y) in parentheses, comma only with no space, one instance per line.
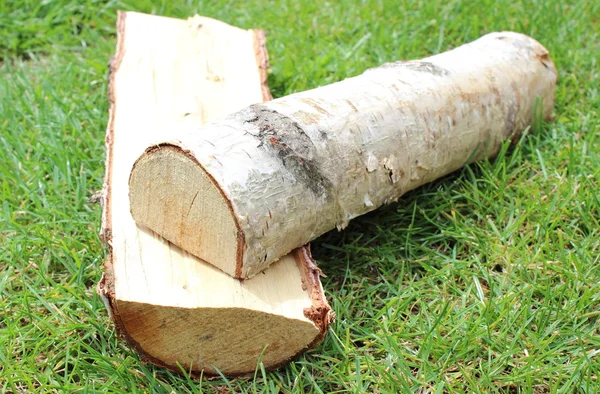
(485,281)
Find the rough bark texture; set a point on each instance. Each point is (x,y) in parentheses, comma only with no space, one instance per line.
(171,307)
(299,166)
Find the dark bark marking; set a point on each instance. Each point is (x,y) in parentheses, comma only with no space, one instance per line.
(416,65)
(315,105)
(352,105)
(426,67)
(284,137)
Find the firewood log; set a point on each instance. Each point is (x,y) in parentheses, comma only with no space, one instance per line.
(174,309)
(244,191)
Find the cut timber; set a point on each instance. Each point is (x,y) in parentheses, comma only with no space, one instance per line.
(175,310)
(277,175)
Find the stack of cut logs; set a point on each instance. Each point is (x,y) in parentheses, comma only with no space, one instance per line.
(212,191)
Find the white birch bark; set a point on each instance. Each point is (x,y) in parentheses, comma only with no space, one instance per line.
(296,167)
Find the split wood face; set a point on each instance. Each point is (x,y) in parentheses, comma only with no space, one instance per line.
(175,310)
(276,175)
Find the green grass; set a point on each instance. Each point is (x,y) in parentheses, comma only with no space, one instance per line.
(485,281)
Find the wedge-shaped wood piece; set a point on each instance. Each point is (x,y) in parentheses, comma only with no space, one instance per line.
(277,175)
(175,310)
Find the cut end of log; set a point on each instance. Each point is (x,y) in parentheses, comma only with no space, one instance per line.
(196,337)
(256,319)
(171,194)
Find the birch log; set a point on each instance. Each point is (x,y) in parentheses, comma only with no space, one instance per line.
(175,310)
(247,190)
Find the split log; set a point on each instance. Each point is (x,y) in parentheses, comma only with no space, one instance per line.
(175,310)
(245,191)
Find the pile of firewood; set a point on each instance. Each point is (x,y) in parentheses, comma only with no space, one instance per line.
(212,191)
